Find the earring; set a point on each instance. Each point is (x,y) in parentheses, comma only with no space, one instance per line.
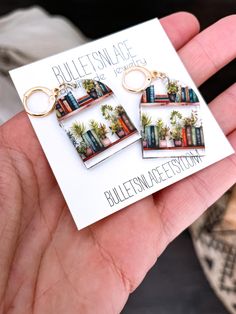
(170,115)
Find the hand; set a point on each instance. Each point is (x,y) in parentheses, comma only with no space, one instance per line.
(46,265)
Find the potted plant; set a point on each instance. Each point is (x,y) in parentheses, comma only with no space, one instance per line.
(84,150)
(89,86)
(124,119)
(176,130)
(146,121)
(77,130)
(101,131)
(116,128)
(172,90)
(115,125)
(189,123)
(163,130)
(72,138)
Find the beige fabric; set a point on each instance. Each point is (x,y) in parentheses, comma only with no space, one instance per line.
(214,239)
(27,35)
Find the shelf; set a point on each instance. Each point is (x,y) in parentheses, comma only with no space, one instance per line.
(112,144)
(174,148)
(170,104)
(93,102)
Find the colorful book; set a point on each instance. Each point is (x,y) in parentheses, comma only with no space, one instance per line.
(153,140)
(59,111)
(65,103)
(187,94)
(198,136)
(98,89)
(60,101)
(156,136)
(144,97)
(104,88)
(97,138)
(162,98)
(190,95)
(189,135)
(202,136)
(127,121)
(124,126)
(183,96)
(88,140)
(194,139)
(195,98)
(93,139)
(148,135)
(184,137)
(72,101)
(150,94)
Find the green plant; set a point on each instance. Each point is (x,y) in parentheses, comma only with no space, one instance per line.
(82,148)
(108,112)
(172,87)
(115,126)
(176,118)
(162,129)
(192,120)
(77,129)
(119,110)
(99,128)
(176,122)
(88,85)
(145,120)
(176,133)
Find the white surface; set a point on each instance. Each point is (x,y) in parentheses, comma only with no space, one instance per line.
(84,189)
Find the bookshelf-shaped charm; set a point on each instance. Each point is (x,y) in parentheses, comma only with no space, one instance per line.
(171,121)
(95,122)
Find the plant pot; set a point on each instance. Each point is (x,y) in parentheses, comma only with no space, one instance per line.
(162,143)
(106,141)
(178,143)
(144,143)
(93,93)
(120,133)
(172,97)
(89,152)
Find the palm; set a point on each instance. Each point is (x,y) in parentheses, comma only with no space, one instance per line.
(47,266)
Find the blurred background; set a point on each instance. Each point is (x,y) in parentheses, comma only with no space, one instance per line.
(176,283)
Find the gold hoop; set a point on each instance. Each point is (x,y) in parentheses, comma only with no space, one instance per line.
(30,92)
(53,94)
(149,77)
(147,81)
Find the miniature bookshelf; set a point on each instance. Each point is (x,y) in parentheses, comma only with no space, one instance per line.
(112,144)
(92,102)
(170,104)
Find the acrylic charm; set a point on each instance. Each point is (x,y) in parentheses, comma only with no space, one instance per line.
(95,121)
(170,116)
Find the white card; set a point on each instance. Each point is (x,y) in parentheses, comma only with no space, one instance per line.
(125,176)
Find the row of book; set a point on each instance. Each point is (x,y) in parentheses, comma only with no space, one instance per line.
(91,139)
(186,95)
(69,103)
(191,136)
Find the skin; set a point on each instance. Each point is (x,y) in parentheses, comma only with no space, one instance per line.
(46,265)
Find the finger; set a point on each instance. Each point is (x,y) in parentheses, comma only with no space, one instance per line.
(210,50)
(180,27)
(224,109)
(193,195)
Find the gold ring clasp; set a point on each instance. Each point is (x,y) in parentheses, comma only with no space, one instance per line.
(146,83)
(52,96)
(149,77)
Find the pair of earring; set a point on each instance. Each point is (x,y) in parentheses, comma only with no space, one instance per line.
(99,126)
